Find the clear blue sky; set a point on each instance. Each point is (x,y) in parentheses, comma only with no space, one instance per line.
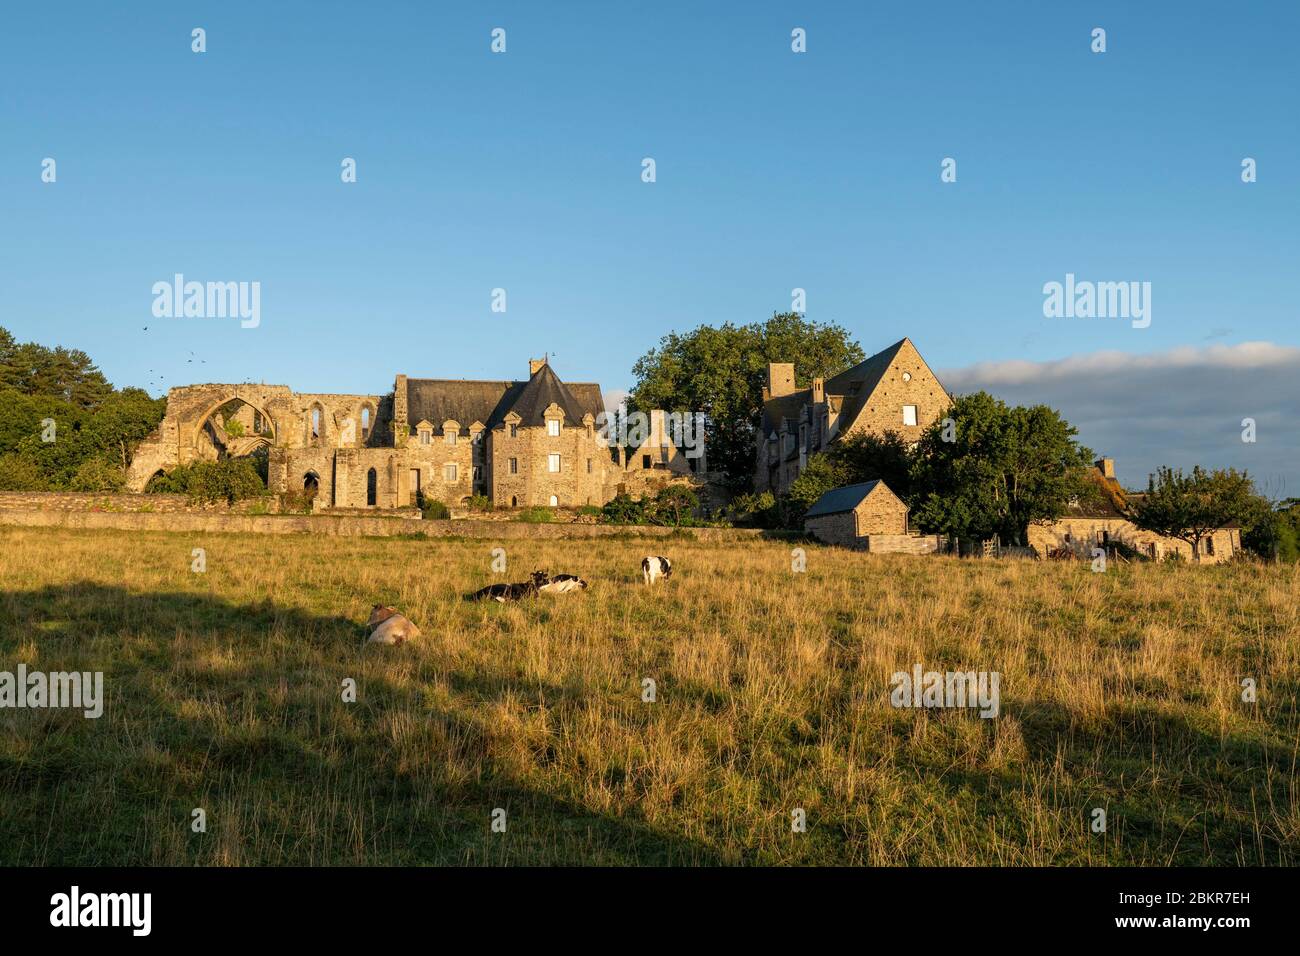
(522,171)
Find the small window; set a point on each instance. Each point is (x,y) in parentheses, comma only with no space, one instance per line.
(555,502)
(514,501)
(1209,545)
(315,423)
(907,376)
(451,438)
(371,488)
(553,427)
(645,461)
(365,423)
(552,463)
(514,466)
(449,471)
(589,466)
(909,414)
(426,437)
(514,431)
(478,472)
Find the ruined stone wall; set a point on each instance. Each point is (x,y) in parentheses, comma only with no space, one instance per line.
(182,438)
(1081,535)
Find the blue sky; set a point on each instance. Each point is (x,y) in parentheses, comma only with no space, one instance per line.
(522,170)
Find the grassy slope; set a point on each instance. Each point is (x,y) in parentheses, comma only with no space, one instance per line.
(1119,690)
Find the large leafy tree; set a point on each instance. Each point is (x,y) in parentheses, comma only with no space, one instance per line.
(866,456)
(721,370)
(993,469)
(1190,506)
(95,427)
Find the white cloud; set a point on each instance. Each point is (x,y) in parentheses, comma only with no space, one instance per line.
(1182,407)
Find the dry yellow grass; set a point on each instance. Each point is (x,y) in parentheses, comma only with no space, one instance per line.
(1118,690)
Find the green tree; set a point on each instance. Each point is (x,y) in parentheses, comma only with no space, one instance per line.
(995,469)
(720,371)
(822,473)
(865,456)
(673,506)
(92,421)
(1190,506)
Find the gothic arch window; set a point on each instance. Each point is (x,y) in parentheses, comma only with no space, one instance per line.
(316,425)
(367,421)
(372,482)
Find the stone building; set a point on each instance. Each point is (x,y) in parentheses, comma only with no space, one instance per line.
(1097,521)
(518,443)
(893,390)
(846,515)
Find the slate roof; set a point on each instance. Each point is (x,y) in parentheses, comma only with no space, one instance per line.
(839,500)
(465,401)
(862,378)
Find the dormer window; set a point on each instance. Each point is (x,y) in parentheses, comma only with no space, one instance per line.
(451,438)
(553,427)
(514,431)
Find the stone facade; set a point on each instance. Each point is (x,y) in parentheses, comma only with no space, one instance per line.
(894,390)
(1100,523)
(519,443)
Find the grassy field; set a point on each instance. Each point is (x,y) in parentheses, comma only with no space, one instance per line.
(1119,690)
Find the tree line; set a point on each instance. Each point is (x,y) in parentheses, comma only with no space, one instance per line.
(63,426)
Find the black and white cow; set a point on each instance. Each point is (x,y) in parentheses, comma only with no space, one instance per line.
(560,583)
(654,567)
(512,592)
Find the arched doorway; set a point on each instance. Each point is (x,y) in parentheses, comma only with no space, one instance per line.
(311,484)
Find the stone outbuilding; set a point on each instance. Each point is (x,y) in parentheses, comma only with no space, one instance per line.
(850,515)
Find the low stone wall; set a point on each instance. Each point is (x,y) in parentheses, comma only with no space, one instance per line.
(904,543)
(353,526)
(129,503)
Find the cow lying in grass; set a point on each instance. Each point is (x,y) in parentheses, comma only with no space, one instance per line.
(539,582)
(387,626)
(561,583)
(654,567)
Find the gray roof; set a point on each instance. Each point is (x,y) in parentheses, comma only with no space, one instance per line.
(467,402)
(839,500)
(866,375)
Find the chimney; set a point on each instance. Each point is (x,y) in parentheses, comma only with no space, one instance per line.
(819,391)
(780,379)
(1106,466)
(534,365)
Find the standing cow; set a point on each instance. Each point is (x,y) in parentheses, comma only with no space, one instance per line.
(654,567)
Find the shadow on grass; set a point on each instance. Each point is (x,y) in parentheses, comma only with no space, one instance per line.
(255,736)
